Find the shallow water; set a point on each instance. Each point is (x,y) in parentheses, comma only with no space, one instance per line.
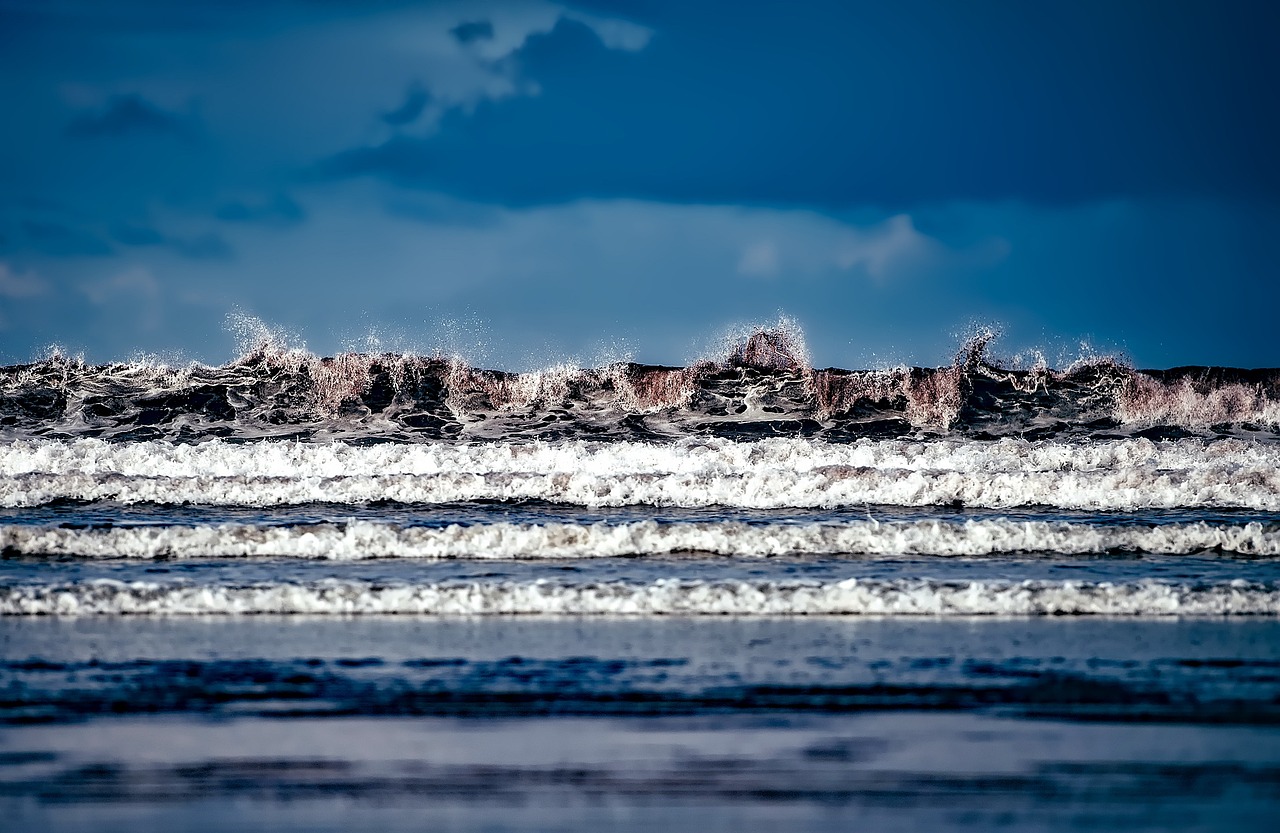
(372,722)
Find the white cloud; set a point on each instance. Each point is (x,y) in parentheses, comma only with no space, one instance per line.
(16,286)
(135,287)
(880,249)
(614,33)
(136,281)
(551,281)
(759,260)
(320,85)
(423,45)
(614,240)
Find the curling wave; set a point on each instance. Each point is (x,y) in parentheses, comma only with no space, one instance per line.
(763,385)
(361,540)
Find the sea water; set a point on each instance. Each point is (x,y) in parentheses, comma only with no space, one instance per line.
(395,592)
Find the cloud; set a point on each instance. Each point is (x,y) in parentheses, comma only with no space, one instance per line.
(759,260)
(803,243)
(440,210)
(135,235)
(280,208)
(881,248)
(126,115)
(472,30)
(56,238)
(460,60)
(208,246)
(856,107)
(137,281)
(569,277)
(415,101)
(16,286)
(203,247)
(136,290)
(614,32)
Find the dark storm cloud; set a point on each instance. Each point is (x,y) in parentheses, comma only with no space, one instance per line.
(897,105)
(1117,159)
(415,101)
(471,31)
(129,115)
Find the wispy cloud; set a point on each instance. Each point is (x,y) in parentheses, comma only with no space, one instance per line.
(801,242)
(880,248)
(280,208)
(206,246)
(137,281)
(136,288)
(16,286)
(60,239)
(125,115)
(759,260)
(470,31)
(415,101)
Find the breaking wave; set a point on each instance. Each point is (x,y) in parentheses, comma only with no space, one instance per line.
(1112,475)
(905,597)
(761,385)
(360,540)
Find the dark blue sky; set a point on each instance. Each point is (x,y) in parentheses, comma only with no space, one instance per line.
(534,182)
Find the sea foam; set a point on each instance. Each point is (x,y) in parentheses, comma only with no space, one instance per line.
(903,597)
(361,540)
(1098,475)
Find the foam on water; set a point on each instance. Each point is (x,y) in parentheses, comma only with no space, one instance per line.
(360,540)
(906,597)
(1107,475)
(690,456)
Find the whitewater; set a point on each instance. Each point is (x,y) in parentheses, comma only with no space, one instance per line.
(989,593)
(752,456)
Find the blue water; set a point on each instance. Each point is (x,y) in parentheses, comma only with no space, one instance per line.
(197,637)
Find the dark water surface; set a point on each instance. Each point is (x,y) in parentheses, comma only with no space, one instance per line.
(568,724)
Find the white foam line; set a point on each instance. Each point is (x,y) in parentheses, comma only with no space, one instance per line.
(360,540)
(1120,474)
(1255,487)
(695,457)
(663,597)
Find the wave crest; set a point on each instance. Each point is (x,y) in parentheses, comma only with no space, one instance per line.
(760,385)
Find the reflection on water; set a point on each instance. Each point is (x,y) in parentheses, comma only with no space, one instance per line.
(399,723)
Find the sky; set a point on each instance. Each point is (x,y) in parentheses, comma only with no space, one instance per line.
(532,183)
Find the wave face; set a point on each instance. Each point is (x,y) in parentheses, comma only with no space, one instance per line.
(762,386)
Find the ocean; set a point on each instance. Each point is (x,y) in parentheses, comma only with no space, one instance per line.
(394,592)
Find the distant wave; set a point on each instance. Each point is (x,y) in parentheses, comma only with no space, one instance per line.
(907,597)
(761,386)
(1111,475)
(361,540)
